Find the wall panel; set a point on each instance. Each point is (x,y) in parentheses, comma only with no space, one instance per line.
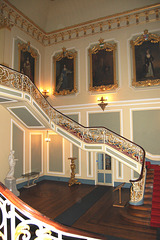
(36,152)
(18,147)
(110,120)
(146,129)
(56,154)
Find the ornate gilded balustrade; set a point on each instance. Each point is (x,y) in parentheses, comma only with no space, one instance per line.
(20,221)
(87,135)
(137,190)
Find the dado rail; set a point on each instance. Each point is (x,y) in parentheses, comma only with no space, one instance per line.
(22,97)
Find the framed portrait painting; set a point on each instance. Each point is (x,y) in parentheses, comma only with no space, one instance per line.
(65,72)
(27,60)
(103,67)
(146,60)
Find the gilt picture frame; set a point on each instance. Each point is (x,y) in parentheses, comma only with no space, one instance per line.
(65,72)
(102,58)
(27,60)
(146,60)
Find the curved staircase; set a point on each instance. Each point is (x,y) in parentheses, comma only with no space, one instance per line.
(19,95)
(24,101)
(141,214)
(155,213)
(147,214)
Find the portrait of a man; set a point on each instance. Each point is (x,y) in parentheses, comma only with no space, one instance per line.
(102,66)
(102,69)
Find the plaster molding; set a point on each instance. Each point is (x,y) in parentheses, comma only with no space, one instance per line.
(113,22)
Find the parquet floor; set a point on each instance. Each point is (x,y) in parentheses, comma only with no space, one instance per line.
(53,198)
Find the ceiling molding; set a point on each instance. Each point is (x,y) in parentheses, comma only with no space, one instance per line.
(96,26)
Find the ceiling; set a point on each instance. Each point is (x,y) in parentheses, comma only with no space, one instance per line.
(52,15)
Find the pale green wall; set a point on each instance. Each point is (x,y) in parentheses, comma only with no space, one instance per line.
(110,120)
(146,129)
(75,151)
(36,152)
(119,169)
(55,154)
(17,146)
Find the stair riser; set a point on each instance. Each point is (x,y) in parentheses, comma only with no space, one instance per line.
(155,200)
(142,214)
(155,213)
(142,208)
(145,215)
(147,202)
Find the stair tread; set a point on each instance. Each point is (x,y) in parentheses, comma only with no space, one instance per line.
(156,208)
(140,214)
(148,190)
(156,199)
(146,207)
(154,221)
(136,220)
(156,194)
(156,218)
(150,210)
(147,201)
(148,194)
(156,184)
(155,213)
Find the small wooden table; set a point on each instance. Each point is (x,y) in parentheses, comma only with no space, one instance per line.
(32,177)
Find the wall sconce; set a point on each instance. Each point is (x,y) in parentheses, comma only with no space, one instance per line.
(45,93)
(47,139)
(102,103)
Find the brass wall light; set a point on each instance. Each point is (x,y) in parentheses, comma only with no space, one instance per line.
(47,139)
(45,93)
(103,103)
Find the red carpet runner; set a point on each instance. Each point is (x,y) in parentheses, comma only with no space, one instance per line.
(155,212)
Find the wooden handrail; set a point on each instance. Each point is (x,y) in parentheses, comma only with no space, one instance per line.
(119,186)
(141,175)
(119,203)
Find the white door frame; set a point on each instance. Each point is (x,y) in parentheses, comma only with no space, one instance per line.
(103,171)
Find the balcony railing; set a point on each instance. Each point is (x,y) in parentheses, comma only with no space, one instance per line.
(92,135)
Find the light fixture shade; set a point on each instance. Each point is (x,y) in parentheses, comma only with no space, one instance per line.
(47,139)
(45,93)
(103,105)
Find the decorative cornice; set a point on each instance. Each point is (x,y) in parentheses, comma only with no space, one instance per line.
(5,22)
(105,24)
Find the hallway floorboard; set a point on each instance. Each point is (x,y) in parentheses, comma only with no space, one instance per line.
(53,198)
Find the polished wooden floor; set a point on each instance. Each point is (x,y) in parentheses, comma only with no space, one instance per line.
(53,198)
